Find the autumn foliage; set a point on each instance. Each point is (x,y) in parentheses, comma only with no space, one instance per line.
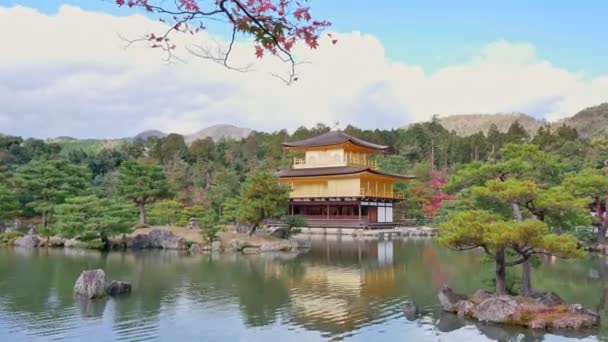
(275,25)
(438,180)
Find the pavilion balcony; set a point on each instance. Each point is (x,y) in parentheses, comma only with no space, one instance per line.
(363,193)
(347,160)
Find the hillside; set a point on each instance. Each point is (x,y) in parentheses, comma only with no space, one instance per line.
(217,132)
(590,122)
(145,135)
(467,124)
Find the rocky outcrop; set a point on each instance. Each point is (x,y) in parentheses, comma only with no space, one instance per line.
(195,248)
(158,238)
(73,243)
(53,242)
(27,241)
(449,299)
(541,311)
(91,284)
(116,288)
(251,250)
(216,246)
(281,245)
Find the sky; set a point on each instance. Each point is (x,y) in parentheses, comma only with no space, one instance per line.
(67,72)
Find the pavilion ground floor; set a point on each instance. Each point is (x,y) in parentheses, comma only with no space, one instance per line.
(352,213)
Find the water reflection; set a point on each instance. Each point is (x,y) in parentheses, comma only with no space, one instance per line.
(343,288)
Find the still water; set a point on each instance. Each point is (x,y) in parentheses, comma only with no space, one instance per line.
(350,290)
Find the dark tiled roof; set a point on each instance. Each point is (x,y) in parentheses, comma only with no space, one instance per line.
(333,138)
(335,171)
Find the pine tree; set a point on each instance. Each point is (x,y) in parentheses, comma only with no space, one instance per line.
(142,184)
(47,183)
(9,206)
(262,197)
(90,217)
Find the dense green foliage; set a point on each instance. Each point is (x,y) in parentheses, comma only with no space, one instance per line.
(90,217)
(554,176)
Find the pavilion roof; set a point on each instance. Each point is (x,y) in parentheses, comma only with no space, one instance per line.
(336,171)
(334,138)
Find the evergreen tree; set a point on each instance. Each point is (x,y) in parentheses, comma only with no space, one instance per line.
(165,212)
(47,183)
(500,239)
(142,184)
(591,183)
(9,206)
(262,197)
(91,217)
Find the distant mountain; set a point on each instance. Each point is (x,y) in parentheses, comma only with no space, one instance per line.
(590,122)
(217,132)
(467,124)
(145,135)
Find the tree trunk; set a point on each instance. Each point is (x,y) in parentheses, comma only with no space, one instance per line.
(44,220)
(501,274)
(526,279)
(142,213)
(253,229)
(601,228)
(526,276)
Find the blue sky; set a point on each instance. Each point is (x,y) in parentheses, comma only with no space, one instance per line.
(435,34)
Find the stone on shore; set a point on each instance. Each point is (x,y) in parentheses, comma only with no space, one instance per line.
(449,299)
(410,310)
(540,311)
(27,241)
(158,238)
(91,284)
(116,288)
(216,246)
(251,250)
(195,248)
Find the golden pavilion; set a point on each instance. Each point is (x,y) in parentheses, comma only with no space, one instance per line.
(334,182)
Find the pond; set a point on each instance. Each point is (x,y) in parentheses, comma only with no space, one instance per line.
(342,289)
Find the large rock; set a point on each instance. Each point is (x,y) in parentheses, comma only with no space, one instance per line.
(53,241)
(410,310)
(251,250)
(165,239)
(28,241)
(73,243)
(216,246)
(139,241)
(548,298)
(158,238)
(281,245)
(116,288)
(234,245)
(91,284)
(497,309)
(195,248)
(449,299)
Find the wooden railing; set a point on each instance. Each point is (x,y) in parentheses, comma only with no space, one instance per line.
(348,160)
(363,192)
(381,193)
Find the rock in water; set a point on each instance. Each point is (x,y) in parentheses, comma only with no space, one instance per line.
(28,241)
(118,287)
(548,298)
(195,248)
(497,309)
(91,284)
(165,239)
(216,246)
(410,310)
(449,299)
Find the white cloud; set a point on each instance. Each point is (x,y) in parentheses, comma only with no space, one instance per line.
(69,74)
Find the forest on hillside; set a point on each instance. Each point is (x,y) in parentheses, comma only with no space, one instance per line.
(88,193)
